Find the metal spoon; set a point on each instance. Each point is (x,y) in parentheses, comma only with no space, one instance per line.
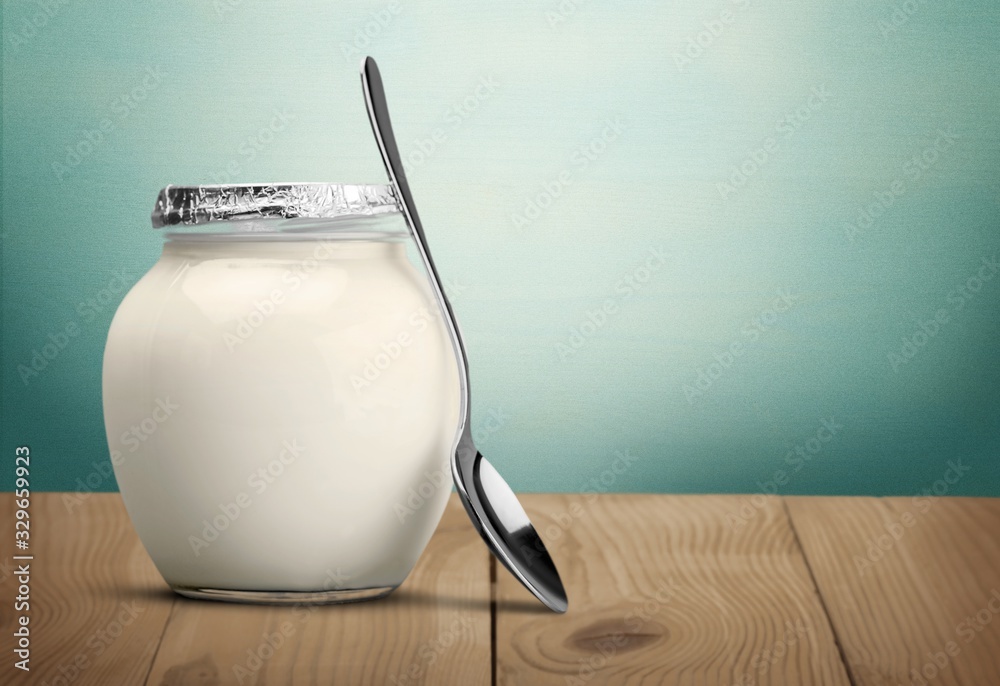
(490,502)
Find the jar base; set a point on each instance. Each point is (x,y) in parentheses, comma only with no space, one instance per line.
(335,597)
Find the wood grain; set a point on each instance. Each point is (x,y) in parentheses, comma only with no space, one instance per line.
(904,580)
(97,604)
(435,629)
(664,591)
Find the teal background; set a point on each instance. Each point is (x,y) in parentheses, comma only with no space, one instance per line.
(559,72)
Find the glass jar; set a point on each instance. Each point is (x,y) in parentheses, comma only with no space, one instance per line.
(281,396)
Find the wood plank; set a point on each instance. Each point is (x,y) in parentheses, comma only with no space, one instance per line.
(434,629)
(663,590)
(904,580)
(98,606)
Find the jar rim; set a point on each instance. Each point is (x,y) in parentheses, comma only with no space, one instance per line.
(204,204)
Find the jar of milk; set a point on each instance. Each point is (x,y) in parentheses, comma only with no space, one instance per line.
(281,396)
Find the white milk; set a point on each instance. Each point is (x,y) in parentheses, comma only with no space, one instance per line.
(281,412)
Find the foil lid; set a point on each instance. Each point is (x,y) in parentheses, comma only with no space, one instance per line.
(203,204)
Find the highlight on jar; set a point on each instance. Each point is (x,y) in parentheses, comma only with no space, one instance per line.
(316,379)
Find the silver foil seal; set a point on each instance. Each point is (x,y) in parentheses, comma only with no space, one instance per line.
(203,204)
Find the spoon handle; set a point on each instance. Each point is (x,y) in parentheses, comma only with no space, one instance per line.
(378,115)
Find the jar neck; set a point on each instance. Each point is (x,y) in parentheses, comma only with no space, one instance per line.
(318,249)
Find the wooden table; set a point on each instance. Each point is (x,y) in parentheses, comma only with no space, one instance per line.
(716,590)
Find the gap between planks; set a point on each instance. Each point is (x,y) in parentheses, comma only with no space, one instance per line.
(159,642)
(663,591)
(819,594)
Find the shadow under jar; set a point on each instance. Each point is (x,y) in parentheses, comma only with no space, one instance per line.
(281,396)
